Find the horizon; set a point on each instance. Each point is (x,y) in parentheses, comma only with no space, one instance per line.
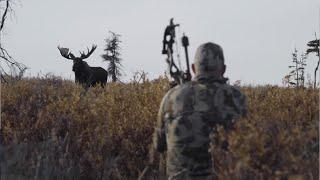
(257,37)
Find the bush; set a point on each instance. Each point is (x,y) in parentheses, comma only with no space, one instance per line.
(53,128)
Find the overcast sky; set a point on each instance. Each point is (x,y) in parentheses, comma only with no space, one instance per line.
(258,37)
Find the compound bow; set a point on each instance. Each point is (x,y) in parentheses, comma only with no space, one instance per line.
(178,75)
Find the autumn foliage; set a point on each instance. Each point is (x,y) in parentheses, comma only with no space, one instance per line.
(54,128)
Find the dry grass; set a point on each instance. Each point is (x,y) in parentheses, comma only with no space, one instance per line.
(51,128)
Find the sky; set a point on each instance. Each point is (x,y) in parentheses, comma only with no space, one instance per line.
(257,36)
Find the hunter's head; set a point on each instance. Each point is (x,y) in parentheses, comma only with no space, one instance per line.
(209,60)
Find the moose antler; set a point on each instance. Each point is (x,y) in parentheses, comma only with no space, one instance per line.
(65,53)
(84,56)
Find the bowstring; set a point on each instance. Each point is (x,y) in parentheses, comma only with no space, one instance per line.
(177,38)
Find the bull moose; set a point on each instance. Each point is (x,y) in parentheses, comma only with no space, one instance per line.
(84,74)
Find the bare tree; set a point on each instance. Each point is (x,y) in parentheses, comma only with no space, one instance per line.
(296,76)
(113,56)
(8,65)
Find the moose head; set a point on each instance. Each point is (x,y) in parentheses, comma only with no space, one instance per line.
(85,74)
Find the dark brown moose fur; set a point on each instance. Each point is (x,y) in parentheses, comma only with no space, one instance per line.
(84,74)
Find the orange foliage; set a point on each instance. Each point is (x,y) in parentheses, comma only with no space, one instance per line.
(278,139)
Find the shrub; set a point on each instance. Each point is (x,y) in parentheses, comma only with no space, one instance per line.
(53,128)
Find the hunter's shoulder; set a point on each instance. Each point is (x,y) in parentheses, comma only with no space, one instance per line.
(232,96)
(229,92)
(183,89)
(178,93)
(235,91)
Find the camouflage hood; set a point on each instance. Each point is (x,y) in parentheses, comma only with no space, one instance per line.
(209,60)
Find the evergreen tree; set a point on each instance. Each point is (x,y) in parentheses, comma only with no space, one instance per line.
(296,76)
(112,55)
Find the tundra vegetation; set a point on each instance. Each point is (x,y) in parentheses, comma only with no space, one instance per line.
(50,129)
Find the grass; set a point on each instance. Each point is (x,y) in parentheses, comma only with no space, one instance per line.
(52,129)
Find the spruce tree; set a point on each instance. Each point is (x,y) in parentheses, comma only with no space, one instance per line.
(112,55)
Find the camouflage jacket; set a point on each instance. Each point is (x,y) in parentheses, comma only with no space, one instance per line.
(186,117)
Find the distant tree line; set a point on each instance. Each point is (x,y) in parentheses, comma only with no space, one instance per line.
(296,76)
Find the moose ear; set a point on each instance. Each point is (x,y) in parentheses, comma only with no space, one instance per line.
(72,56)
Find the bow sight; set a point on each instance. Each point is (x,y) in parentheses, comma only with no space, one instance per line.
(178,75)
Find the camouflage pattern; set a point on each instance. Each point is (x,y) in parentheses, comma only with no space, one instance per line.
(186,118)
(209,58)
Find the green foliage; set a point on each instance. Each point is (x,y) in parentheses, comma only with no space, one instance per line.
(54,127)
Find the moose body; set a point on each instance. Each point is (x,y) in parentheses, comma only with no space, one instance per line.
(92,77)
(84,74)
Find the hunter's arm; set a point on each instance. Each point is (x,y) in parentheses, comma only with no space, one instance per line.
(159,136)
